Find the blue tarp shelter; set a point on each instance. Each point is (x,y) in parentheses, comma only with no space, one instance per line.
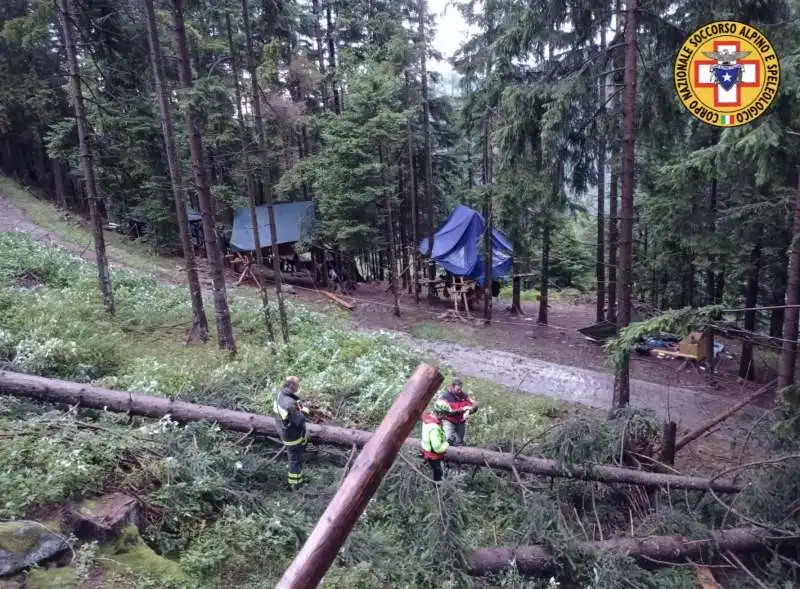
(193,215)
(455,246)
(293,221)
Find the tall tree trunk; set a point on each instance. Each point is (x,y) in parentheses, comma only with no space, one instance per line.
(392,262)
(622,390)
(712,228)
(401,224)
(200,324)
(426,133)
(316,13)
(412,189)
(90,181)
(487,235)
(545,285)
(265,171)
(613,232)
(746,360)
(600,264)
(200,171)
(788,357)
(251,187)
(337,103)
(58,184)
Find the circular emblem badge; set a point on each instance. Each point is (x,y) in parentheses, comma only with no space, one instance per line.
(727,73)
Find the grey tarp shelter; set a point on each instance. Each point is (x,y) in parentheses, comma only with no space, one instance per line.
(294,221)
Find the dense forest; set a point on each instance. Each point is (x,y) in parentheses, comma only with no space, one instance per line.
(564,130)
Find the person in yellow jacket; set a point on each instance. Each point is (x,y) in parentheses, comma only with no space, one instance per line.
(291,411)
(434,443)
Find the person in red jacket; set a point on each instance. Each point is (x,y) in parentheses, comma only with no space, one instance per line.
(455,407)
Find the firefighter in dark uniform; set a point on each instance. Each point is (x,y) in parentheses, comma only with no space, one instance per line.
(291,414)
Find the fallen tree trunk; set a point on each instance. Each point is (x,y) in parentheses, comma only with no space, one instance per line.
(60,391)
(649,551)
(360,484)
(703,428)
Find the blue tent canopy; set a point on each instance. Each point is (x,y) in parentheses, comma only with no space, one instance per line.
(455,246)
(293,221)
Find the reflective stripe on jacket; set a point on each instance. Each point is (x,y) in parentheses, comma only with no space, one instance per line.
(434,444)
(292,421)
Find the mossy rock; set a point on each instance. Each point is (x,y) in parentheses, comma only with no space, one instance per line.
(24,544)
(128,556)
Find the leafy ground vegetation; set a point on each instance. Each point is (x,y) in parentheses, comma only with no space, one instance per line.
(217,511)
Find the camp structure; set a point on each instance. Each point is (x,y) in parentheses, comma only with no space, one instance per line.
(456,246)
(294,222)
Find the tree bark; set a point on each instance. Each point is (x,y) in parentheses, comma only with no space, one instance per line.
(70,393)
(426,131)
(648,551)
(90,181)
(622,392)
(711,292)
(613,232)
(200,324)
(746,368)
(337,103)
(266,182)
(200,171)
(788,357)
(516,296)
(361,482)
(544,287)
(58,184)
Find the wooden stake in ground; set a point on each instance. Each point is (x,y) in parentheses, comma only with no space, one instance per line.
(90,181)
(165,114)
(321,547)
(71,393)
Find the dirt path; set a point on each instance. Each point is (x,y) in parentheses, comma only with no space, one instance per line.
(687,407)
(568,380)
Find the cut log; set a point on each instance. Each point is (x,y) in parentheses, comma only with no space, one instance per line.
(262,273)
(703,428)
(60,391)
(339,300)
(650,551)
(360,484)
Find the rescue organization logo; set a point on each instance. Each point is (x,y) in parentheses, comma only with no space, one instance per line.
(727,73)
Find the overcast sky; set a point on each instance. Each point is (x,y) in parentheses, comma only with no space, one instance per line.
(451,32)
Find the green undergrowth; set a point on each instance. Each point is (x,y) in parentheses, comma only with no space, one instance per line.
(215,503)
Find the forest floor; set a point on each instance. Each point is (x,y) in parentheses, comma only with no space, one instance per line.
(553,360)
